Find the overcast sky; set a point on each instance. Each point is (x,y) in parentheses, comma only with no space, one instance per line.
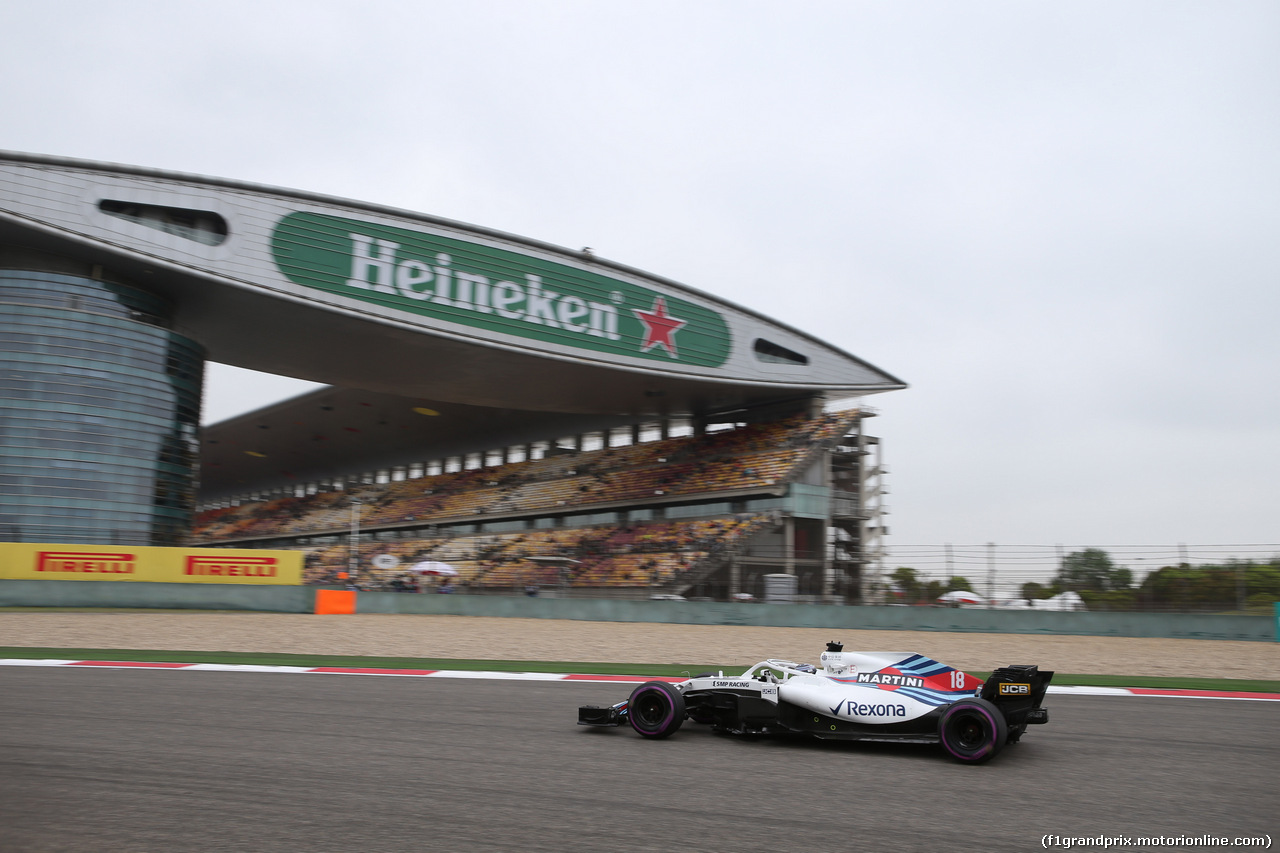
(1060,223)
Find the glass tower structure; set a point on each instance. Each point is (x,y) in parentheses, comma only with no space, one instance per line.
(99,412)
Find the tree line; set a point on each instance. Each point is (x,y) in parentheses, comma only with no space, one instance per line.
(1103,585)
(1232,585)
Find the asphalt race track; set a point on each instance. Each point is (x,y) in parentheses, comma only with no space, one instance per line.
(150,761)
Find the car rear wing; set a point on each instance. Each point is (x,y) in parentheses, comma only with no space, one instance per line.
(1017,690)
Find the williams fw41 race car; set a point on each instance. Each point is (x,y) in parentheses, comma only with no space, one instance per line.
(871,696)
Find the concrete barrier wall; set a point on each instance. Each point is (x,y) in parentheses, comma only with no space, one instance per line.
(294,599)
(1177,625)
(163,596)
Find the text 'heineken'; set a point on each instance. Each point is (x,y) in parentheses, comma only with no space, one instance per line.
(376,266)
(498,288)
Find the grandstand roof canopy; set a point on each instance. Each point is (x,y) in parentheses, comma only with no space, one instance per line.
(463,319)
(310,437)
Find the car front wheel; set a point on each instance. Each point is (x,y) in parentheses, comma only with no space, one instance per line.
(656,709)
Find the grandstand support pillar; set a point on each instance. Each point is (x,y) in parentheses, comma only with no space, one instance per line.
(871,498)
(635,433)
(353,552)
(789,545)
(828,525)
(735,577)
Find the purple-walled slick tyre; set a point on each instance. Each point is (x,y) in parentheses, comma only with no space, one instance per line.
(655,709)
(973,730)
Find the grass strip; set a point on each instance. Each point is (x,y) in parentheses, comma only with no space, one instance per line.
(1249,685)
(365,662)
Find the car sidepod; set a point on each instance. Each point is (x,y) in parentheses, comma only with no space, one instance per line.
(895,696)
(736,705)
(884,706)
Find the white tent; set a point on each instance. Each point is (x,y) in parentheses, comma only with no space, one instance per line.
(1062,601)
(960,596)
(433,567)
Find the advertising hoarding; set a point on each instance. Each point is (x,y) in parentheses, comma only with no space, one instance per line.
(45,561)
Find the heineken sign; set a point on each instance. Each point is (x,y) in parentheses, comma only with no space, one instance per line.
(495,290)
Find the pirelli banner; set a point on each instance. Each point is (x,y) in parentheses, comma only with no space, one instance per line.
(158,565)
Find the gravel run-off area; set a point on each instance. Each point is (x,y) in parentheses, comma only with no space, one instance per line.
(488,638)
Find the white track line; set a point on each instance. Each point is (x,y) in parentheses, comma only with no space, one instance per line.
(1066,690)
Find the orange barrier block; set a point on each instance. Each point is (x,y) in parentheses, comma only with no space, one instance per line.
(335,602)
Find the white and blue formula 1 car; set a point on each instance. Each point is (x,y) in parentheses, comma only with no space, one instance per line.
(869,696)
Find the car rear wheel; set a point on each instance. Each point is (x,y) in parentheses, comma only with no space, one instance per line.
(973,730)
(655,709)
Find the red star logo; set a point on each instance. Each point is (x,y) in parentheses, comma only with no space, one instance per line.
(659,327)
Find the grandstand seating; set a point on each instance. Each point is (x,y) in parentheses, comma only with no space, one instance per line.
(757,457)
(627,556)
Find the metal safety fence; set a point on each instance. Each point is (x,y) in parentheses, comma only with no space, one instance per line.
(1181,576)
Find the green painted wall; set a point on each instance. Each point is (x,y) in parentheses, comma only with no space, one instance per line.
(286,599)
(1175,625)
(164,596)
